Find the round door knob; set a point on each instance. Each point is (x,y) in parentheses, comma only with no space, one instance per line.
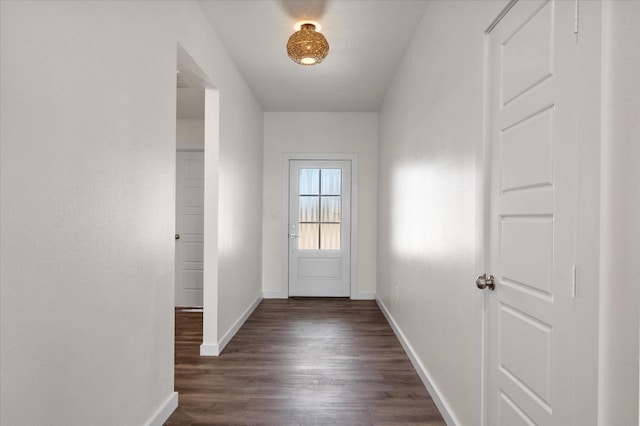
(484,281)
(177,236)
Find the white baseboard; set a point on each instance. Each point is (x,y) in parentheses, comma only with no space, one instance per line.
(442,405)
(278,295)
(164,411)
(208,349)
(364,296)
(226,338)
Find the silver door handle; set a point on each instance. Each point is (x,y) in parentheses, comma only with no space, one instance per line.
(293,236)
(485,281)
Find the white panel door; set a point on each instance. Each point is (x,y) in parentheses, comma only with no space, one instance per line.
(319,228)
(532,231)
(189,227)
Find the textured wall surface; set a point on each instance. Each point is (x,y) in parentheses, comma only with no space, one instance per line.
(621,219)
(430,125)
(88,204)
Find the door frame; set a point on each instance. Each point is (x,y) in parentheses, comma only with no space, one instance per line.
(286,159)
(483,201)
(589,231)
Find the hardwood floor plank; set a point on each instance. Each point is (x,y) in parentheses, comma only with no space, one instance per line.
(300,362)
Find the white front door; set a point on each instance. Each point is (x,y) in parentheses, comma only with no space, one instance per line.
(319,228)
(189,227)
(532,215)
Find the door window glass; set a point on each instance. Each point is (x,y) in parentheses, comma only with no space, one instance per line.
(319,209)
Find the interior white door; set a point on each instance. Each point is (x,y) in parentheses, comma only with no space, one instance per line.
(532,231)
(189,227)
(319,228)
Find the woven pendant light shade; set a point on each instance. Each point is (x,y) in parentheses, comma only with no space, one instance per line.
(307,46)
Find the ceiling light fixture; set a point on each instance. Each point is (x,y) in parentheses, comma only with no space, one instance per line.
(307,46)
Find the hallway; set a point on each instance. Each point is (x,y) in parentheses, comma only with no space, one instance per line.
(469,158)
(300,361)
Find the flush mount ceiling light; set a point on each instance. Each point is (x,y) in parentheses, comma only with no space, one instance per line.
(307,46)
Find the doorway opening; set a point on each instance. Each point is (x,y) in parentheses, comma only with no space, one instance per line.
(189,192)
(200,170)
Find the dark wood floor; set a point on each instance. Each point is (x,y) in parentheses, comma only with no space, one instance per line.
(301,362)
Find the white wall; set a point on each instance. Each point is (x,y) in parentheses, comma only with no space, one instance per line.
(88,112)
(621,213)
(240,209)
(430,123)
(311,132)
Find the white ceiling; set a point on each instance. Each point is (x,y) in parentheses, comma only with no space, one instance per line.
(367,40)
